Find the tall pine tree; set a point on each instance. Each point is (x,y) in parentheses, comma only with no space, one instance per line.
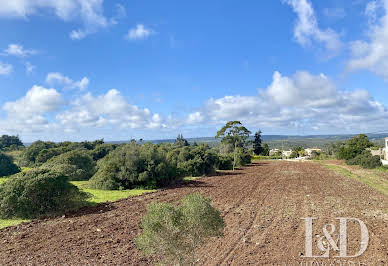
(257,148)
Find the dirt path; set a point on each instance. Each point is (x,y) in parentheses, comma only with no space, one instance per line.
(262,206)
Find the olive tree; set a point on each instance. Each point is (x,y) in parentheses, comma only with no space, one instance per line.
(175,232)
(236,134)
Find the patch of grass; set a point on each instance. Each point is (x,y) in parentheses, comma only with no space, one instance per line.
(378,183)
(2,179)
(190,178)
(11,222)
(99,196)
(382,169)
(26,169)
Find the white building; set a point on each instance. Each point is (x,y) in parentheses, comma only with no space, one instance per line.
(273,151)
(309,151)
(386,149)
(287,153)
(385,161)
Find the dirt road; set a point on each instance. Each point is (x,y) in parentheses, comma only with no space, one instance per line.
(262,206)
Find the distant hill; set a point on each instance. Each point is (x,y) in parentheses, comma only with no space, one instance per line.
(277,141)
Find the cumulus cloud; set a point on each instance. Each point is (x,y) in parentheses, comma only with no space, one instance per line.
(300,101)
(110,109)
(372,54)
(306,29)
(90,12)
(28,114)
(56,78)
(140,32)
(5,69)
(18,50)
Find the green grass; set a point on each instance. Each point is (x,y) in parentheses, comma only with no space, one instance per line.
(11,222)
(26,169)
(378,183)
(109,195)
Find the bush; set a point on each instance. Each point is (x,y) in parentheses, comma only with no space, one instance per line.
(353,147)
(365,160)
(225,162)
(32,152)
(38,192)
(101,150)
(193,160)
(77,165)
(7,167)
(175,232)
(132,165)
(243,157)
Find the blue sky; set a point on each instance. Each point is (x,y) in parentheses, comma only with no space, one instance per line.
(75,70)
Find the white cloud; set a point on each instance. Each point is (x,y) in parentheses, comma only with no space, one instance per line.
(109,109)
(372,54)
(5,69)
(310,102)
(140,32)
(90,12)
(18,50)
(36,101)
(56,78)
(28,114)
(307,31)
(194,118)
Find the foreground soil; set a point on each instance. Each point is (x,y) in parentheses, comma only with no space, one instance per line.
(262,206)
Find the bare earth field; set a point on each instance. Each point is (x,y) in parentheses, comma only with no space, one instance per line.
(262,206)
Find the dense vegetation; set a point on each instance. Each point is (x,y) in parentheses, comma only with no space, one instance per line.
(149,165)
(76,164)
(46,189)
(355,152)
(10,143)
(38,192)
(175,232)
(7,167)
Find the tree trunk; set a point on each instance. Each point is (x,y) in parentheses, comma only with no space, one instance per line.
(234,155)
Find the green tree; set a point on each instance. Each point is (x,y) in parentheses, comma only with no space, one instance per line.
(257,143)
(236,134)
(353,147)
(10,142)
(7,167)
(181,141)
(175,232)
(265,150)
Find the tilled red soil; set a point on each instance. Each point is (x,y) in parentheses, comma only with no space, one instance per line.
(262,206)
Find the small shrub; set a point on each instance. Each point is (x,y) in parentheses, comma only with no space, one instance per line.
(7,167)
(38,192)
(175,232)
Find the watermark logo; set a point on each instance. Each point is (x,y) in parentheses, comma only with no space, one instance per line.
(326,243)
